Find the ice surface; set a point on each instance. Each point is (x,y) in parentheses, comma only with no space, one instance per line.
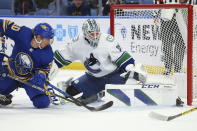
(22,116)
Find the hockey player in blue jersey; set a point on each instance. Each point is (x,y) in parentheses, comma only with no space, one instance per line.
(31,60)
(105,61)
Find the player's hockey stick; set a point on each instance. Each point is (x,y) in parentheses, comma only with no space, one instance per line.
(34,86)
(73,100)
(99,108)
(168,118)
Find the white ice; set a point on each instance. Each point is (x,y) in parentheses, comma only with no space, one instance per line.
(22,116)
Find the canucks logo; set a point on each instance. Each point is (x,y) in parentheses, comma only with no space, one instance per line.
(23,63)
(60,32)
(72,31)
(90,62)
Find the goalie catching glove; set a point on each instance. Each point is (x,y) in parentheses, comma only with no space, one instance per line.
(136,72)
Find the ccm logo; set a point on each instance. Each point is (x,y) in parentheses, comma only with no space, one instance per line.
(150,86)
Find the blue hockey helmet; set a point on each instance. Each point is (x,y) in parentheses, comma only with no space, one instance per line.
(44,30)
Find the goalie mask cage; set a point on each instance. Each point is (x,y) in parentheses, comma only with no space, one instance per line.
(134,27)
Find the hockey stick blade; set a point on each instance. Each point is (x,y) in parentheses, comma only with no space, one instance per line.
(102,107)
(159,116)
(168,118)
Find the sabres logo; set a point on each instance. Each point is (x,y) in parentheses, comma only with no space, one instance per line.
(24,63)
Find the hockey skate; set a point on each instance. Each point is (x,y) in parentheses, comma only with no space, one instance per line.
(5,100)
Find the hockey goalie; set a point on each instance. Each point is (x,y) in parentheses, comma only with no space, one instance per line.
(105,62)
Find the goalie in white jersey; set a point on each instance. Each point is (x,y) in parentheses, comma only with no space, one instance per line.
(106,62)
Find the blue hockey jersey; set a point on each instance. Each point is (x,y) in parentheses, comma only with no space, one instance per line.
(31,59)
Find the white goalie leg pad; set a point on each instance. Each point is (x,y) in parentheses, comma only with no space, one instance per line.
(53,71)
(142,95)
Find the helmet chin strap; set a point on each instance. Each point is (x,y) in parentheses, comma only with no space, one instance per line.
(38,42)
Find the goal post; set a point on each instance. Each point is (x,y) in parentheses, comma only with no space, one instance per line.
(134,27)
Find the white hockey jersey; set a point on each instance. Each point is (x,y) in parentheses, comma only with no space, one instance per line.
(99,61)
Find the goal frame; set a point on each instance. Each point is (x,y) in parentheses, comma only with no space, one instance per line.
(189,34)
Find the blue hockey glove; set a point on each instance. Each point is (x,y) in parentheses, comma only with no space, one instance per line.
(39,78)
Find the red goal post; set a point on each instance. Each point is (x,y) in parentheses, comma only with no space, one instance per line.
(134,11)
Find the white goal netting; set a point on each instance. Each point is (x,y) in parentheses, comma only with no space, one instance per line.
(163,38)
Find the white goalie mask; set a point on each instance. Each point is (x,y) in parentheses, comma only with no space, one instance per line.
(91,32)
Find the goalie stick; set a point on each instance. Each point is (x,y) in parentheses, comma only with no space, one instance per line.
(99,108)
(169,118)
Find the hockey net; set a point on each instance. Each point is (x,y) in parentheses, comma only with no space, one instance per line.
(138,29)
